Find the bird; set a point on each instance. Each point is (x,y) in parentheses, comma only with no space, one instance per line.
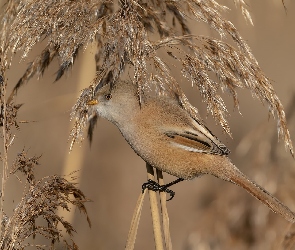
(169,139)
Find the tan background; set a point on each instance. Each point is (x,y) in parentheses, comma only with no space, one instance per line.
(206,213)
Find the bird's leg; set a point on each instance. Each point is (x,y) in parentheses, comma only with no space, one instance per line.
(155,186)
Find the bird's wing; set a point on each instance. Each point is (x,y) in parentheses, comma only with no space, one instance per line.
(182,130)
(196,138)
(218,145)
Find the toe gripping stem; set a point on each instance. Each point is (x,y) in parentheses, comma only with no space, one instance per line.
(155,186)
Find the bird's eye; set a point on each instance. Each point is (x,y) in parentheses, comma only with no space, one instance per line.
(108,96)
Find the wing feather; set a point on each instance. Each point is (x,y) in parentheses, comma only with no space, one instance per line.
(196,142)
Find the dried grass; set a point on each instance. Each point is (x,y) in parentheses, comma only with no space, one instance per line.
(122,32)
(130,36)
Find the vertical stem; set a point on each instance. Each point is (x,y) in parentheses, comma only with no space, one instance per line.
(5,143)
(135,222)
(74,161)
(155,212)
(164,212)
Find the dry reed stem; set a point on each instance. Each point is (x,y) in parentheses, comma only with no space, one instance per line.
(135,222)
(5,153)
(164,212)
(73,162)
(155,211)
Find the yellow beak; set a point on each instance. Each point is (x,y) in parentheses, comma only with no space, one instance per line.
(92,102)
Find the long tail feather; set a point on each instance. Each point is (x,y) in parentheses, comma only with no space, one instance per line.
(235,176)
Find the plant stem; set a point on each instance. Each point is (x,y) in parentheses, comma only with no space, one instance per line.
(155,212)
(5,147)
(164,212)
(135,222)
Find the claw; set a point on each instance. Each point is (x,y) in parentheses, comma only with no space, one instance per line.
(152,185)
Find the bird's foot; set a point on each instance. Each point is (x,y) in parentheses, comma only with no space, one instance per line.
(155,186)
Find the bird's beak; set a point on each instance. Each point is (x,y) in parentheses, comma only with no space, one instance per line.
(92,102)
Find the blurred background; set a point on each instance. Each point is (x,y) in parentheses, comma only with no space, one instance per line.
(206,213)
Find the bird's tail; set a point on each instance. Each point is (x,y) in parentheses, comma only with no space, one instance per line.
(234,175)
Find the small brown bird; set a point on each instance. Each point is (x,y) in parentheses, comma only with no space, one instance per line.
(165,136)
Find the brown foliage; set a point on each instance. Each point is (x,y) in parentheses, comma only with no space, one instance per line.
(130,36)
